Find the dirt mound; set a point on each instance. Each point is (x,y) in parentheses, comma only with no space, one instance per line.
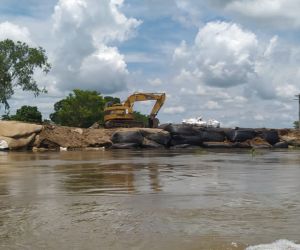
(53,137)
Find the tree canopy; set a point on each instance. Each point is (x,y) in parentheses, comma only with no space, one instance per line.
(296,124)
(18,63)
(25,114)
(141,118)
(81,108)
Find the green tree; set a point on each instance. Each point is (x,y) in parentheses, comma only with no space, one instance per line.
(296,124)
(18,63)
(141,118)
(25,114)
(81,108)
(112,100)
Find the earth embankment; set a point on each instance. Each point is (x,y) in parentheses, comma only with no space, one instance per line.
(17,135)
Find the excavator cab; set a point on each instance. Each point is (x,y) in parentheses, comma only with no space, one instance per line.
(122,114)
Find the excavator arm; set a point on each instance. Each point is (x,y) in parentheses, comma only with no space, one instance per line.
(136,97)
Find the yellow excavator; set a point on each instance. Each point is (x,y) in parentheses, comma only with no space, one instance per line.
(122,114)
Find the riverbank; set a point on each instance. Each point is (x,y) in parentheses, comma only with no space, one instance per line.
(24,136)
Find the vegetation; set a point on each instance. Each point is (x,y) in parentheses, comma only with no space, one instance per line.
(82,108)
(18,63)
(25,114)
(141,118)
(296,124)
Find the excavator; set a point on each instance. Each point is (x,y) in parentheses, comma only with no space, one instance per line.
(122,114)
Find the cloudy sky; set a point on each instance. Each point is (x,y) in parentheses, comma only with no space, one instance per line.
(237,61)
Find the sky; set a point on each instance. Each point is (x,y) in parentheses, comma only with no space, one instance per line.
(236,61)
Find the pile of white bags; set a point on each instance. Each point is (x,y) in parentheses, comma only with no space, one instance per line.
(211,123)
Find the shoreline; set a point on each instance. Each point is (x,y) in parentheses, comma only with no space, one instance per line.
(25,136)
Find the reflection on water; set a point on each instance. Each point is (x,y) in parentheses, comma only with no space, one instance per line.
(188,199)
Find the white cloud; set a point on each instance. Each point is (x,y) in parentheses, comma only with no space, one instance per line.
(212,105)
(15,32)
(224,52)
(155,82)
(287,91)
(234,72)
(84,58)
(278,13)
(174,110)
(259,117)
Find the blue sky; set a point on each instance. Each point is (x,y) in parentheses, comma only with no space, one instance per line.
(236,61)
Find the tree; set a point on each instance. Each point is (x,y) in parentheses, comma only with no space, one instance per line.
(81,108)
(18,63)
(25,114)
(296,124)
(141,118)
(112,100)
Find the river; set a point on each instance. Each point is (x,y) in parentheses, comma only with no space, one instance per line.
(168,199)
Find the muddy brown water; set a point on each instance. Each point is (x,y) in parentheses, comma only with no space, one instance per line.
(187,199)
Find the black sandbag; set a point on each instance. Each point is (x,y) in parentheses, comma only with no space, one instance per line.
(179,146)
(127,137)
(261,146)
(125,146)
(282,144)
(213,135)
(271,136)
(151,144)
(217,145)
(229,133)
(181,129)
(186,139)
(241,145)
(161,137)
(240,135)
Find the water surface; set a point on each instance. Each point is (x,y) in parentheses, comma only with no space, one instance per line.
(187,199)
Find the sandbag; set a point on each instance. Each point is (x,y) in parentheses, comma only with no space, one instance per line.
(157,135)
(134,136)
(258,142)
(282,144)
(182,129)
(186,139)
(241,145)
(179,146)
(212,136)
(151,144)
(240,135)
(271,136)
(16,129)
(125,146)
(217,145)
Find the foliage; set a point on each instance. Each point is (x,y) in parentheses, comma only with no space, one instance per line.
(112,100)
(81,108)
(18,63)
(141,118)
(25,114)
(296,124)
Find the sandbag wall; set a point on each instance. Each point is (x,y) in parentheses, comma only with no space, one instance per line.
(183,135)
(16,135)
